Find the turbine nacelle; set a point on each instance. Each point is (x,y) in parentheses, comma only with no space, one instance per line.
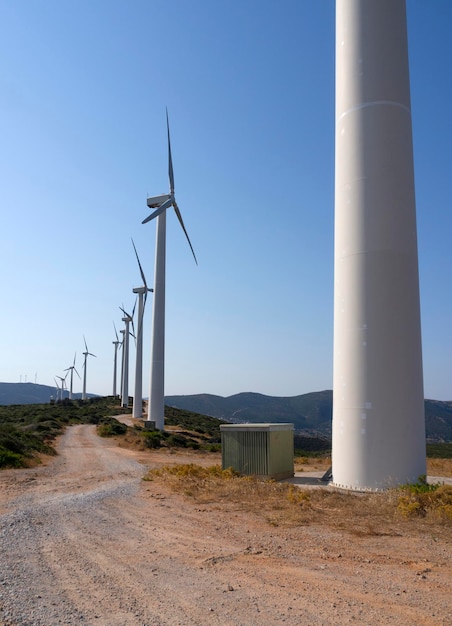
(156,201)
(141,290)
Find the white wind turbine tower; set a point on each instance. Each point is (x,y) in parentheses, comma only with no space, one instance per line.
(378,402)
(63,381)
(127,319)
(116,344)
(59,394)
(86,354)
(142,296)
(71,368)
(122,332)
(156,404)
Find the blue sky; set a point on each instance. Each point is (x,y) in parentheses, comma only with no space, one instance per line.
(249,86)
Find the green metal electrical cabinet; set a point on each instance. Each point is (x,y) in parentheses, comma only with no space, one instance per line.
(265,450)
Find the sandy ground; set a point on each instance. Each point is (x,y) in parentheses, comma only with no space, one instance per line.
(84,540)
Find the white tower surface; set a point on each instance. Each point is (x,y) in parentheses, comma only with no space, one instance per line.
(378,404)
(125,359)
(156,403)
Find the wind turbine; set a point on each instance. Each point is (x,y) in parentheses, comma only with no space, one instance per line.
(378,402)
(57,388)
(142,296)
(63,380)
(116,344)
(72,368)
(127,319)
(86,354)
(156,404)
(122,332)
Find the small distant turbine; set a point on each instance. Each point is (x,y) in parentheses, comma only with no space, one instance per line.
(116,344)
(127,319)
(71,368)
(86,354)
(57,389)
(141,291)
(63,381)
(122,332)
(156,404)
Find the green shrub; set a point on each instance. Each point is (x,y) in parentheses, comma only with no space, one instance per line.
(422,499)
(111,427)
(177,441)
(152,438)
(11,459)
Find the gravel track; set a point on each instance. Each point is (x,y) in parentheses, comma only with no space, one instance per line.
(84,540)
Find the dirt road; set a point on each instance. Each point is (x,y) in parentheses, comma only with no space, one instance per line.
(84,540)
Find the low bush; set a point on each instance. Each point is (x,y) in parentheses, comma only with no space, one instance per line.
(10,459)
(111,427)
(152,438)
(422,499)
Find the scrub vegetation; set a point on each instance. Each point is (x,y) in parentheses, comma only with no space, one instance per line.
(284,504)
(28,430)
(183,429)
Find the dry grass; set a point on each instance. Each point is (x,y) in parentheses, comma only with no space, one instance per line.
(435,467)
(282,504)
(439,467)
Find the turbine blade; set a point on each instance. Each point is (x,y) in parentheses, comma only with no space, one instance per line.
(181,221)
(86,347)
(170,160)
(139,265)
(77,372)
(75,356)
(116,332)
(158,211)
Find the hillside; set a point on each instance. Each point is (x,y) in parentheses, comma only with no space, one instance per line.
(311,413)
(30,393)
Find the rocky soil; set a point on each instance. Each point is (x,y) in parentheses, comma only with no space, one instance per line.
(84,540)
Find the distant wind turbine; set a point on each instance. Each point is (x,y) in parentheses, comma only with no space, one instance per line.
(72,368)
(141,291)
(127,319)
(156,404)
(86,354)
(57,388)
(122,332)
(63,381)
(116,344)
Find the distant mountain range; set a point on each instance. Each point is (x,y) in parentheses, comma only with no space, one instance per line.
(30,393)
(311,413)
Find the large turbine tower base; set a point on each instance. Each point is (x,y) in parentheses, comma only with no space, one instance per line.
(378,404)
